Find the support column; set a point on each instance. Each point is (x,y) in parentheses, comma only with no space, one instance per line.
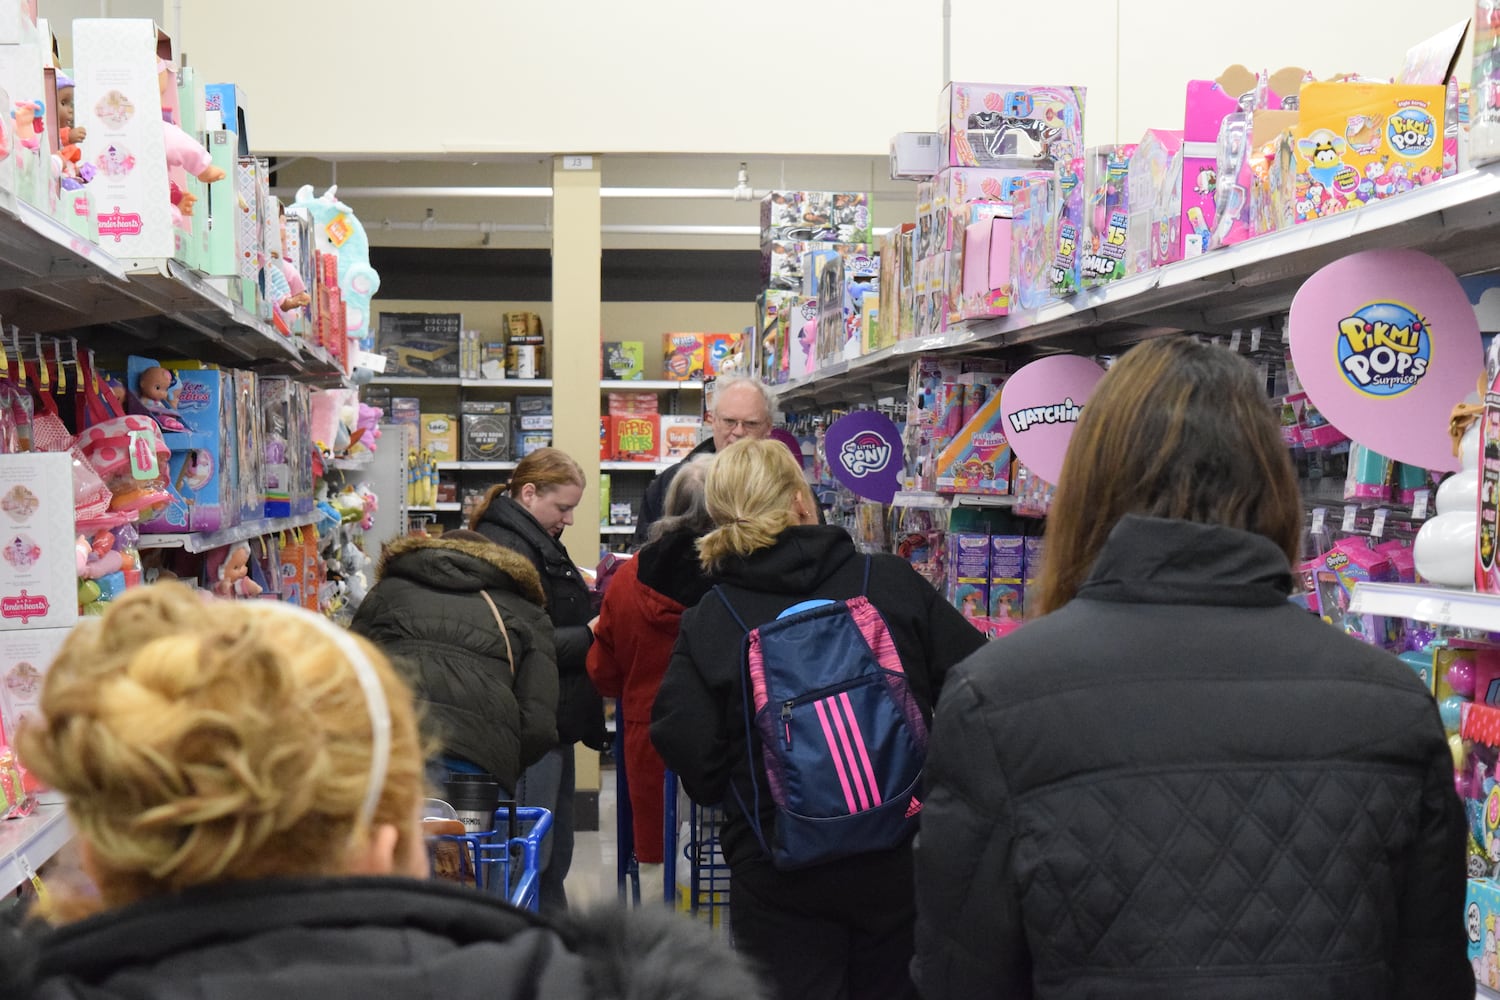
(576,263)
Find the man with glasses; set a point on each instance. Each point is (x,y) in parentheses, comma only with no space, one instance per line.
(740,407)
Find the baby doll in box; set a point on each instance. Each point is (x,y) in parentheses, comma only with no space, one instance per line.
(183,150)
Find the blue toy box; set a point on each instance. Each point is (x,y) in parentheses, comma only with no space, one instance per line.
(204,470)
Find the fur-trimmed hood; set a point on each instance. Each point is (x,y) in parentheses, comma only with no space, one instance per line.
(463,566)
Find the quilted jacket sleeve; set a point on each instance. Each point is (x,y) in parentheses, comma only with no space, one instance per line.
(970,938)
(686,722)
(535,686)
(1432,961)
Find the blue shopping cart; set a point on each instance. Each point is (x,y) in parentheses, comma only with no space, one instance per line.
(506,859)
(696,844)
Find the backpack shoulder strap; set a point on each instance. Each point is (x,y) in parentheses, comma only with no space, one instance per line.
(865,586)
(724,599)
(504,632)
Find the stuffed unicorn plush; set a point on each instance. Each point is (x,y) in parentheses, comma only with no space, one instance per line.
(337,231)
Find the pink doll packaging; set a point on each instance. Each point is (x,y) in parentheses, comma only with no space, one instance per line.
(1208,103)
(1033,242)
(985,284)
(1154,195)
(997,124)
(1105,214)
(1351,562)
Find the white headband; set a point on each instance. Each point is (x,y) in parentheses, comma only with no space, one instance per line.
(375,703)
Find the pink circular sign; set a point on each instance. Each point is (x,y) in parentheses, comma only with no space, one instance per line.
(1385,343)
(1040,408)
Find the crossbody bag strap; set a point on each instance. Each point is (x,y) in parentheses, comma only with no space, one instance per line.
(504,632)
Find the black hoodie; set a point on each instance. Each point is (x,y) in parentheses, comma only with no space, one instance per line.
(698,723)
(356,938)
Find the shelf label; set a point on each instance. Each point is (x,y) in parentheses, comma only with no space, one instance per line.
(1419,505)
(1319,519)
(1350,513)
(31,876)
(578,163)
(1377,525)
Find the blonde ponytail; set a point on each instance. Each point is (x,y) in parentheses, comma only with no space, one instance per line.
(752,487)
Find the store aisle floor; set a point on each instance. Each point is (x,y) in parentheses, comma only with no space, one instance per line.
(595,852)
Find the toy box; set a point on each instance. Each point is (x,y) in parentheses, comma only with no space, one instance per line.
(1154,187)
(118,98)
(439,436)
(682,356)
(1208,103)
(720,353)
(484,431)
(630,404)
(679,436)
(1349,562)
(28,170)
(1482,924)
(286,417)
(419,344)
(204,469)
(1067,257)
(1361,142)
(37,584)
(993,124)
(1033,241)
(829,216)
(977,460)
(1007,577)
(943,202)
(250,433)
(968,562)
(624,359)
(830,296)
(796,344)
(634,438)
(1106,211)
(781,262)
(248,232)
(861,280)
(24,659)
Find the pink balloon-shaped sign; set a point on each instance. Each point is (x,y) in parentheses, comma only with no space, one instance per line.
(1040,406)
(1385,343)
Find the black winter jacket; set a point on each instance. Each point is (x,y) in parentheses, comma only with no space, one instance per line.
(427,614)
(1179,785)
(698,723)
(580,710)
(358,938)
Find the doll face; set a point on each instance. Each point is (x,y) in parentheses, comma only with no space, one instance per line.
(155,384)
(65,107)
(236,564)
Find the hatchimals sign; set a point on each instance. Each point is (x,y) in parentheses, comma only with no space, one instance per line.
(864,451)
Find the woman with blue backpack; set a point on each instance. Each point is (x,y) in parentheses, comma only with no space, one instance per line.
(798,697)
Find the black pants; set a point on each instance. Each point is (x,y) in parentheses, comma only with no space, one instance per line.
(842,931)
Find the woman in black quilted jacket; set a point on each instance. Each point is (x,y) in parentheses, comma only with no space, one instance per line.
(529,514)
(489,696)
(1176,783)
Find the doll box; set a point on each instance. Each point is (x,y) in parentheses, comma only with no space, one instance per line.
(37,585)
(1033,242)
(28,172)
(1361,142)
(1155,197)
(1066,259)
(994,124)
(24,660)
(1106,211)
(948,196)
(1482,926)
(17,19)
(118,99)
(978,459)
(204,469)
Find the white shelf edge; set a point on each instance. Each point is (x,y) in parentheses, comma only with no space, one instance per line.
(203,541)
(450,381)
(636,466)
(649,385)
(475,466)
(45,225)
(439,508)
(616,529)
(36,838)
(1436,605)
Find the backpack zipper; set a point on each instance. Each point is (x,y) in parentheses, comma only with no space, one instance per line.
(818,695)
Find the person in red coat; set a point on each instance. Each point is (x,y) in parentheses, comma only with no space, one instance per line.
(633,642)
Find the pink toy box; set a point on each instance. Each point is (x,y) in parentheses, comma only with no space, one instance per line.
(1154,187)
(977,460)
(1033,242)
(985,286)
(996,124)
(38,588)
(1105,215)
(1350,562)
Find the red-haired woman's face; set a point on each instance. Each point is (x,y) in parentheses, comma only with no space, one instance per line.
(552,506)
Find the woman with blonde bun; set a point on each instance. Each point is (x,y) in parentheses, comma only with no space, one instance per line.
(246,783)
(841,929)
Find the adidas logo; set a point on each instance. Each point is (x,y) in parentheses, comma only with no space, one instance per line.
(914,808)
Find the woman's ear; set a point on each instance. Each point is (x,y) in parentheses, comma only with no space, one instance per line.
(374,854)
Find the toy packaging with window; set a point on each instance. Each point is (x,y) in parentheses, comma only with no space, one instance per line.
(1105,214)
(1154,195)
(1349,562)
(1360,142)
(204,468)
(984,285)
(1067,257)
(968,567)
(1007,577)
(27,171)
(977,459)
(1033,243)
(37,584)
(996,124)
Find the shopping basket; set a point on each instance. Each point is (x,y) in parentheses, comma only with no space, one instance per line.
(506,859)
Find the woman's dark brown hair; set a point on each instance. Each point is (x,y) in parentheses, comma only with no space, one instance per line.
(1176,429)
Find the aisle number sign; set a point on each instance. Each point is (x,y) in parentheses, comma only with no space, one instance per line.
(1385,343)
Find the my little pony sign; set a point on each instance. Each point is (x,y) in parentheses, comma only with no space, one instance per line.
(864,453)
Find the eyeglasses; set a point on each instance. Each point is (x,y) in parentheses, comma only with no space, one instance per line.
(748,426)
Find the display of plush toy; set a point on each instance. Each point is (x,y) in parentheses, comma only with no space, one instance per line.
(182,150)
(337,231)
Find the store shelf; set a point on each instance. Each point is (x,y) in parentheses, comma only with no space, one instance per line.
(475,466)
(635,466)
(439,508)
(648,385)
(1458,608)
(353,464)
(467,383)
(203,541)
(616,529)
(29,842)
(1454,220)
(413,380)
(946,501)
